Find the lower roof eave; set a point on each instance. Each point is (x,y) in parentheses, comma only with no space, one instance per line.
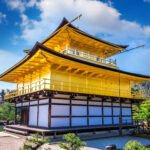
(46,49)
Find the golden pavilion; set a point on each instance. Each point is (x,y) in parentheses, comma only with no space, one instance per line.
(69,82)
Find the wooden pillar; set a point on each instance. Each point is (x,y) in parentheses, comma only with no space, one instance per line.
(102,112)
(38,112)
(112,111)
(70,112)
(120,119)
(49,113)
(15,121)
(21,111)
(131,113)
(88,111)
(23,86)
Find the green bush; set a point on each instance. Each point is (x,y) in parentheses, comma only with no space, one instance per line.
(73,142)
(35,142)
(134,145)
(1,128)
(7,112)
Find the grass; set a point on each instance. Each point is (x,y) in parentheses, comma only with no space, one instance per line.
(1,128)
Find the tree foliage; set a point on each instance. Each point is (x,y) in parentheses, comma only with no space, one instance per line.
(35,142)
(134,145)
(73,142)
(143,111)
(7,111)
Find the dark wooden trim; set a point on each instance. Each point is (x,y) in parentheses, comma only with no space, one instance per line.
(112,111)
(87,111)
(15,114)
(102,113)
(70,113)
(38,113)
(49,113)
(131,113)
(29,112)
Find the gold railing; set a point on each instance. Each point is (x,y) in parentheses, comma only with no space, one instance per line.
(90,57)
(47,84)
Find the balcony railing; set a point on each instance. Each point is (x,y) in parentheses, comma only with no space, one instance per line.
(90,57)
(47,84)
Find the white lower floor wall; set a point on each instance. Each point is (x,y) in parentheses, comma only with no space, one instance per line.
(76,113)
(33,115)
(79,113)
(43,116)
(60,122)
(38,116)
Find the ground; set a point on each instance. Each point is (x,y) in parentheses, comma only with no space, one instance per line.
(15,142)
(10,141)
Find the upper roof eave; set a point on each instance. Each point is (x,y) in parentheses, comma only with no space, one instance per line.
(65,21)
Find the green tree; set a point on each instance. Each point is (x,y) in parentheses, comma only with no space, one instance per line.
(7,112)
(142,112)
(134,145)
(73,142)
(35,142)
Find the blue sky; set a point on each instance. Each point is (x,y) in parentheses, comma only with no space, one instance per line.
(23,22)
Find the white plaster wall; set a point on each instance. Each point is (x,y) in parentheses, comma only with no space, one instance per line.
(116,111)
(33,102)
(107,111)
(80,121)
(18,105)
(79,102)
(79,110)
(126,111)
(126,105)
(116,104)
(63,101)
(95,120)
(59,122)
(44,101)
(106,104)
(107,120)
(33,116)
(43,116)
(95,111)
(94,103)
(60,110)
(25,104)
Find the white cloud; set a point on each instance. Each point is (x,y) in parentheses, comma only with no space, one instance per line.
(20,5)
(16,4)
(25,20)
(98,18)
(2,17)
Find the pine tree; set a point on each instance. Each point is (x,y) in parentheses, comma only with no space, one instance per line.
(73,142)
(35,142)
